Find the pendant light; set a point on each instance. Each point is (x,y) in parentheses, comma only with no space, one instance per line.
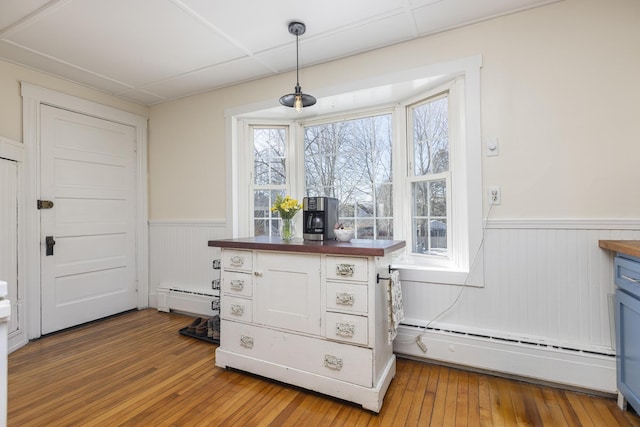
(297,100)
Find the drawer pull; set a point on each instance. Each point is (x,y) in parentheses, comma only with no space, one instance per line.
(631,279)
(345,298)
(345,330)
(332,362)
(246,341)
(345,270)
(236,285)
(237,309)
(237,261)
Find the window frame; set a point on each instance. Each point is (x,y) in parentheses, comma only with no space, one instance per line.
(466,267)
(440,92)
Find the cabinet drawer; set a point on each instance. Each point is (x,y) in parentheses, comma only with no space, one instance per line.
(330,359)
(347,268)
(233,259)
(236,308)
(347,328)
(234,283)
(627,274)
(347,297)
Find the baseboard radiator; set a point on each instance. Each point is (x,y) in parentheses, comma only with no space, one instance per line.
(541,363)
(202,302)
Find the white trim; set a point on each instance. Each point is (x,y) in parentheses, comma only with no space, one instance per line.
(32,97)
(565,224)
(14,151)
(187,223)
(11,150)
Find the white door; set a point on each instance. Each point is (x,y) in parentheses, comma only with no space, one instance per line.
(9,235)
(87,171)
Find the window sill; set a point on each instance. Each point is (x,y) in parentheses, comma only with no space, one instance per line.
(436,275)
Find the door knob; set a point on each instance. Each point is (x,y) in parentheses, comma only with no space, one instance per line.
(50,242)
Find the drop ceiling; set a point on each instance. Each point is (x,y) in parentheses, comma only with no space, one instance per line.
(153,51)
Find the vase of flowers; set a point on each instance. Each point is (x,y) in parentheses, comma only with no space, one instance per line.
(287,208)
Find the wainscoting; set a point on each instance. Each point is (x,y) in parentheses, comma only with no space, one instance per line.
(179,255)
(543,313)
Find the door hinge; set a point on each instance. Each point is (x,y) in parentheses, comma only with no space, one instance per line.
(45,204)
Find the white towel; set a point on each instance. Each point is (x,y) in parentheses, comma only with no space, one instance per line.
(396,309)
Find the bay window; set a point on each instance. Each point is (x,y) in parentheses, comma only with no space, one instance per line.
(409,170)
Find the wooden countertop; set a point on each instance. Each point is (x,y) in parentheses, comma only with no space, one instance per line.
(628,247)
(354,247)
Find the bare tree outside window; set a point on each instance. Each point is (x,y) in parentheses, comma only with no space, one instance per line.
(430,142)
(270,176)
(351,161)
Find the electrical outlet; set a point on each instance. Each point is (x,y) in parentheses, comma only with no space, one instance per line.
(494,195)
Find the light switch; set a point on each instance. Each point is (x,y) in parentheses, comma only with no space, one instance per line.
(492,146)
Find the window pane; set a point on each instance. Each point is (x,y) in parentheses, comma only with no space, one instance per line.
(438,237)
(269,156)
(421,199)
(384,229)
(430,237)
(384,200)
(438,198)
(351,160)
(431,137)
(364,229)
(430,217)
(264,220)
(420,238)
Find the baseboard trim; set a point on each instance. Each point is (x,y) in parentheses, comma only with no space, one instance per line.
(573,369)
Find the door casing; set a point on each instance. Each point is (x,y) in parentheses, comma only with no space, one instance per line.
(32,97)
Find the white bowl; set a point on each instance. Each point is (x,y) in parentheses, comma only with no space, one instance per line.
(343,234)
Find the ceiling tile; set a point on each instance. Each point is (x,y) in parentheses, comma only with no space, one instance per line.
(13,11)
(203,80)
(367,36)
(65,71)
(117,39)
(438,16)
(261,25)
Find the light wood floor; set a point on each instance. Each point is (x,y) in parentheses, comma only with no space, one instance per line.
(136,370)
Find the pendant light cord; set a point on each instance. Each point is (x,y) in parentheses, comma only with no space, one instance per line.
(297,63)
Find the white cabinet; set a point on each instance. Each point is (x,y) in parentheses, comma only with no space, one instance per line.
(314,320)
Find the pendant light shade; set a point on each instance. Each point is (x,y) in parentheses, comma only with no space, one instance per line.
(297,99)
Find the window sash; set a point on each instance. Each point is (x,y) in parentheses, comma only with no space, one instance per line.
(264,222)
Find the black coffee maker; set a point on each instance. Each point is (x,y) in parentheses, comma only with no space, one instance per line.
(320,215)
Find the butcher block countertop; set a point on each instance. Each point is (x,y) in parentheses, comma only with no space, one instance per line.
(362,247)
(628,247)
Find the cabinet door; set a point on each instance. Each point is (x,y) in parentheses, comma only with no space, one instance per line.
(287,291)
(628,347)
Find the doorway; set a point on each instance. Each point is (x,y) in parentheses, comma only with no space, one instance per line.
(88,228)
(98,217)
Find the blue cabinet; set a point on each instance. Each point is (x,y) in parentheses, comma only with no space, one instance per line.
(627,316)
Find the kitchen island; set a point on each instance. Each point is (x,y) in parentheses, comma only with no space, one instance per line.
(309,313)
